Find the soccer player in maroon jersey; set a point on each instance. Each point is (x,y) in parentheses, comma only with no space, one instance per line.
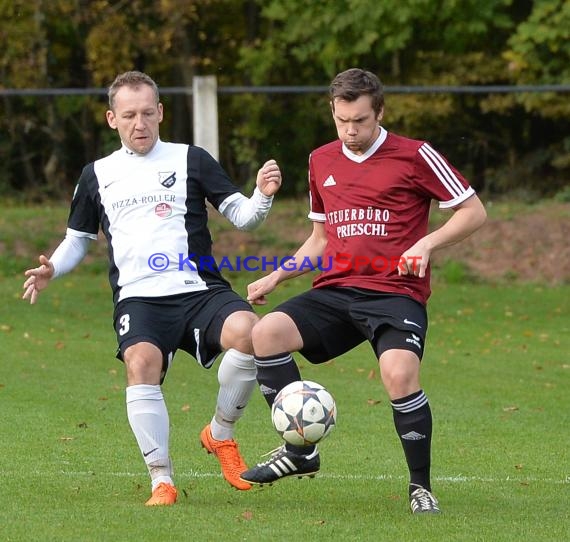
(370,195)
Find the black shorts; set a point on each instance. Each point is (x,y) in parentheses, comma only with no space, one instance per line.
(191,322)
(333,321)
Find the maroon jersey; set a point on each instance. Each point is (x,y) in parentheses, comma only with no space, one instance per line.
(375,206)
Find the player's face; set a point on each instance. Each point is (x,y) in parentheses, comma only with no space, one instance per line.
(136,116)
(356,123)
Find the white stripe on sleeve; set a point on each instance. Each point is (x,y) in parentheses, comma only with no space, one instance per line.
(442,170)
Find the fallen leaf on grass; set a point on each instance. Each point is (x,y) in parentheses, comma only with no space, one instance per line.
(185,408)
(372,402)
(510,409)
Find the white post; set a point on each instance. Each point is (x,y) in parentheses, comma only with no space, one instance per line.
(205,104)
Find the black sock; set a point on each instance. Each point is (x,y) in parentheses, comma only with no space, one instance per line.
(273,374)
(413,421)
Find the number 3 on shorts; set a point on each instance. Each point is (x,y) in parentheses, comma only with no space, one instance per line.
(124,323)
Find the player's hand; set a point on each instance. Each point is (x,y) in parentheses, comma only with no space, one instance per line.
(269,178)
(38,279)
(414,261)
(257,290)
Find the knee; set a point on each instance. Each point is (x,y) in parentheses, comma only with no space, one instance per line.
(236,332)
(400,376)
(275,333)
(258,331)
(393,379)
(144,364)
(264,331)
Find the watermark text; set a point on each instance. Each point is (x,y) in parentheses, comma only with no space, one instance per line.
(160,261)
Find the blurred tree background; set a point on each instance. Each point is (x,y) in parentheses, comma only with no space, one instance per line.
(503,142)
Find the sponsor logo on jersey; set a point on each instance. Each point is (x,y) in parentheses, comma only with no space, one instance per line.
(167,178)
(142,200)
(163,210)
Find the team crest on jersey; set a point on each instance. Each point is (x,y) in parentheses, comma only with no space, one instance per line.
(163,210)
(167,178)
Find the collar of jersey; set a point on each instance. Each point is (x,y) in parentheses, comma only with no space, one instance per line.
(129,152)
(373,148)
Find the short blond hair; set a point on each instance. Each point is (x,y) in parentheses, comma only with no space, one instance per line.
(131,79)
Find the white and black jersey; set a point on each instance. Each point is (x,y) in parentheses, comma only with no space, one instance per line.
(152,210)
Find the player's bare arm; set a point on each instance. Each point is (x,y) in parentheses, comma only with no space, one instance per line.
(269,178)
(311,249)
(37,279)
(467,218)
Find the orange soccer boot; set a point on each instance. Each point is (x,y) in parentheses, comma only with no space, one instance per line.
(229,457)
(163,495)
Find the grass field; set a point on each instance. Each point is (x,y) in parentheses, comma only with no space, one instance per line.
(496,370)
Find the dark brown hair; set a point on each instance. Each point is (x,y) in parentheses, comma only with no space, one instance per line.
(350,84)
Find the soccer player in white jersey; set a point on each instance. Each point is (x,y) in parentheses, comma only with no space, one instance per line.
(149,199)
(370,194)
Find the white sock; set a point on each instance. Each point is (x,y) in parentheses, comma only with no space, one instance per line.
(148,418)
(237,378)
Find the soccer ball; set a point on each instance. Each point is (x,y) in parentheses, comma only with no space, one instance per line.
(303,413)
